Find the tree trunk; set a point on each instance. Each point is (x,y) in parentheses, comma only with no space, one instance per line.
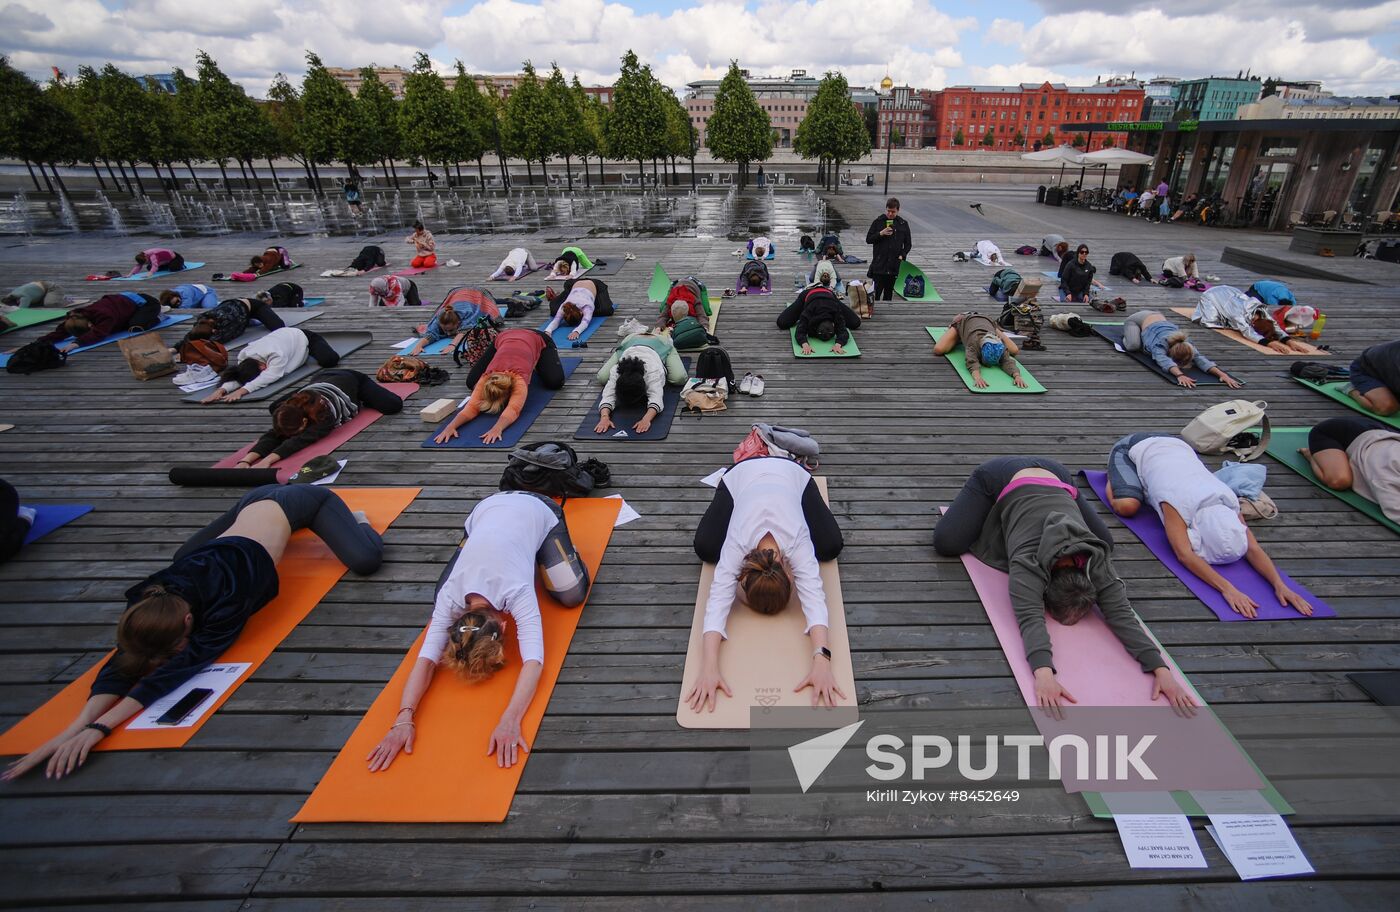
(62,188)
(137,174)
(306,166)
(223,173)
(505,174)
(587,175)
(174,181)
(113,175)
(273,168)
(481,171)
(459,173)
(836,169)
(692,171)
(155,165)
(602,180)
(126,178)
(33,177)
(190,168)
(98,174)
(642,175)
(446,174)
(256,180)
(654,181)
(244,171)
(42,173)
(544,170)
(395,171)
(529,173)
(569,171)
(384,166)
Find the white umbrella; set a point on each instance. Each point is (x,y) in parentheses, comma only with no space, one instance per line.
(1108,157)
(1061,154)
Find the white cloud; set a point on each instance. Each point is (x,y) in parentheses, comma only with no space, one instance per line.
(1015,73)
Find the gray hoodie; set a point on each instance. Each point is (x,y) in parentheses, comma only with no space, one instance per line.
(1025,533)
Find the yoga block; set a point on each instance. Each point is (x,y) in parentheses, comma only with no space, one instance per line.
(438,410)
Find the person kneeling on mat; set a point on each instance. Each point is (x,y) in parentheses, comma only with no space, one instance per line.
(191,296)
(1199,512)
(424,247)
(229,320)
(158,259)
(765,531)
(818,313)
(824,273)
(1054,245)
(636,376)
(570,264)
(1181,267)
(984,343)
(1023,516)
(301,418)
(369,257)
(517,263)
(986,253)
(1361,455)
(500,380)
(34,294)
(393,291)
(1227,307)
(512,538)
(1273,294)
(270,260)
(180,620)
(1128,266)
(754,276)
(576,304)
(759,247)
(264,361)
(1168,347)
(1375,379)
(105,317)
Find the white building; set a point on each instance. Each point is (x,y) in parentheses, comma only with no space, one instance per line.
(1329,107)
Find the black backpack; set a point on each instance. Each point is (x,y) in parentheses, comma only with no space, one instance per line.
(36,356)
(713,364)
(1316,372)
(287,294)
(570,480)
(1172,281)
(913,287)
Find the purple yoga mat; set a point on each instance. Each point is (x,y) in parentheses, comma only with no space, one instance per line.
(1148,527)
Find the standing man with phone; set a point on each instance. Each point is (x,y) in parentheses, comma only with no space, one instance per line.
(889,235)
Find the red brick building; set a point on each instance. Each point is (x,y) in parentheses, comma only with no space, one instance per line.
(1030,110)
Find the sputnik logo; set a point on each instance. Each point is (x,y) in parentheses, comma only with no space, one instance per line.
(811,758)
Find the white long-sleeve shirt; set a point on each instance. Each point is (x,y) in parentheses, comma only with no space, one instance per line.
(655,374)
(282,350)
(504,532)
(767,496)
(988,254)
(519,261)
(1177,267)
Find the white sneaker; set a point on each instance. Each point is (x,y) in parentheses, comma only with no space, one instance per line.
(746,383)
(756,385)
(195,373)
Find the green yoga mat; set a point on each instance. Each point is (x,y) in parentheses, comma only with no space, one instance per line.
(1284,444)
(1334,390)
(907,268)
(998,380)
(822,349)
(31,316)
(660,285)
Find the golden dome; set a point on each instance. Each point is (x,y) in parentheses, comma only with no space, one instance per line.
(886,84)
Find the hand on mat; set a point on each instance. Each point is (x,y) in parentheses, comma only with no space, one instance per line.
(1241,603)
(1183,380)
(705,693)
(806,348)
(823,684)
(1229,381)
(837,349)
(643,425)
(1019,381)
(236,394)
(214,396)
(573,336)
(400,738)
(1164,682)
(1049,693)
(978,382)
(73,346)
(72,753)
(507,743)
(492,436)
(603,426)
(450,433)
(1287,596)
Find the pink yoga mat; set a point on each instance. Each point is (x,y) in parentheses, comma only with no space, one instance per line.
(326,445)
(1147,526)
(414,270)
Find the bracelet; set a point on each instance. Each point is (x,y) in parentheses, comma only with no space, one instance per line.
(404,709)
(398,724)
(98,727)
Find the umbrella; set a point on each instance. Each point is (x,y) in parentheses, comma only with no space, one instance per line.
(1061,154)
(1108,157)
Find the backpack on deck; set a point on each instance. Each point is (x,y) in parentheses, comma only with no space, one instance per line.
(1224,428)
(713,364)
(1317,372)
(287,294)
(689,334)
(1172,281)
(474,343)
(913,286)
(35,356)
(203,351)
(410,369)
(550,468)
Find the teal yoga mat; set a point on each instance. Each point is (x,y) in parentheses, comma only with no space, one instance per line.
(822,349)
(998,380)
(1335,392)
(1284,444)
(906,269)
(32,316)
(141,275)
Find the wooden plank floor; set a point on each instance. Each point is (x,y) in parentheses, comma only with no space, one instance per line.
(618,805)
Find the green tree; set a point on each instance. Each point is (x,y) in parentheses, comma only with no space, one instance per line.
(167,140)
(592,113)
(477,123)
(186,111)
(1078,141)
(427,116)
(833,130)
(680,134)
(226,122)
(120,110)
(330,129)
(531,122)
(989,139)
(959,139)
(33,126)
(569,137)
(739,129)
(83,146)
(633,127)
(1048,140)
(1108,142)
(1019,140)
(283,112)
(377,116)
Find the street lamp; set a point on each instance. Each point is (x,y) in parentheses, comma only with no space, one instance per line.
(887,92)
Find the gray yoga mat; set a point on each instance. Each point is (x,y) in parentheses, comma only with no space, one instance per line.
(343,342)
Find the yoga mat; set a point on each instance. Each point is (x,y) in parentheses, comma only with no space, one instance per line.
(741,289)
(660,285)
(49,517)
(256,331)
(469,435)
(327,444)
(998,380)
(32,316)
(765,656)
(1335,391)
(344,342)
(624,418)
(822,349)
(612,266)
(440,347)
(1383,687)
(200,477)
(1113,332)
(1148,528)
(1312,352)
(561,332)
(1284,443)
(907,268)
(772,252)
(455,719)
(308,570)
(225,278)
(141,276)
(167,320)
(1161,277)
(312,302)
(415,270)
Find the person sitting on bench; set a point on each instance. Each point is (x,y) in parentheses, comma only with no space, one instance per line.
(394,291)
(189,297)
(15,521)
(1077,280)
(270,260)
(1358,454)
(369,257)
(754,276)
(1169,349)
(424,247)
(983,342)
(570,264)
(818,313)
(264,361)
(1200,513)
(158,259)
(765,532)
(1224,306)
(1053,245)
(500,380)
(513,538)
(180,620)
(759,247)
(636,376)
(309,414)
(1128,266)
(34,294)
(1181,267)
(448,323)
(1375,379)
(230,319)
(1023,515)
(576,304)
(105,317)
(516,264)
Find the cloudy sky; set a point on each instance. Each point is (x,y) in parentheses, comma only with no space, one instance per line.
(1351,45)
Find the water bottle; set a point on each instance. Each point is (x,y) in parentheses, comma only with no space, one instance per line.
(1320,322)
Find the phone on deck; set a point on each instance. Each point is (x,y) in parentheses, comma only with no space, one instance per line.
(187,704)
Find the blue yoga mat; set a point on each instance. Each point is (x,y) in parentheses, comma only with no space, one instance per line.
(561,335)
(312,302)
(141,275)
(440,347)
(469,434)
(53,516)
(167,320)
(748,255)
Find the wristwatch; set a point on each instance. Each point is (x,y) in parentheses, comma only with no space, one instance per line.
(823,652)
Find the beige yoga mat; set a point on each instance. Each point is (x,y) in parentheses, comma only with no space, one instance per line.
(766,656)
(1312,350)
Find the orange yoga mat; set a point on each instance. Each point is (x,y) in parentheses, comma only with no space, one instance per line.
(1312,351)
(308,570)
(449,778)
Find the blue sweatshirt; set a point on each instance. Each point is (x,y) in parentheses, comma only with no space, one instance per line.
(196,295)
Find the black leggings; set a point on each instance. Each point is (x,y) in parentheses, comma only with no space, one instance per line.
(368,393)
(146,315)
(962,524)
(793,313)
(13,529)
(265,314)
(549,368)
(1340,433)
(821,524)
(884,287)
(312,507)
(320,350)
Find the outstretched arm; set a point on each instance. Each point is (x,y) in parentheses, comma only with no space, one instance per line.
(1181,546)
(404,730)
(507,742)
(1261,562)
(68,750)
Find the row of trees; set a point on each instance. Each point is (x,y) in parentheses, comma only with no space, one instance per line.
(112,121)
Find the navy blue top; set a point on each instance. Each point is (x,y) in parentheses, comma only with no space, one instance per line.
(225,583)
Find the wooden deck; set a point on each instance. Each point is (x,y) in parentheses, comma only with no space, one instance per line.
(619,807)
